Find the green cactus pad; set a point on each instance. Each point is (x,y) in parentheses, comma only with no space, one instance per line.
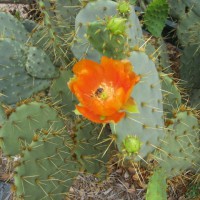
(188,29)
(90,149)
(194,98)
(3,117)
(155,16)
(61,93)
(29,25)
(105,42)
(189,68)
(147,125)
(54,35)
(19,129)
(66,12)
(15,83)
(46,169)
(100,10)
(178,8)
(10,27)
(157,186)
(179,150)
(171,93)
(39,65)
(158,51)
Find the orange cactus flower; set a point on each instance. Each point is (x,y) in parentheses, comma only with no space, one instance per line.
(104,89)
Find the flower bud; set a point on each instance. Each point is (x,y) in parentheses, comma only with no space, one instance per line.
(117,25)
(132,144)
(124,7)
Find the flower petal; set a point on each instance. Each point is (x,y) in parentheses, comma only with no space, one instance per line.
(98,118)
(87,67)
(104,90)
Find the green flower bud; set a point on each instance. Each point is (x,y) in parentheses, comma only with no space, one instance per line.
(116,25)
(124,7)
(132,144)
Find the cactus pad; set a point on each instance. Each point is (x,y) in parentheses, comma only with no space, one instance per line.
(19,129)
(61,93)
(46,169)
(147,125)
(180,148)
(38,64)
(171,93)
(100,10)
(154,23)
(157,186)
(10,27)
(15,83)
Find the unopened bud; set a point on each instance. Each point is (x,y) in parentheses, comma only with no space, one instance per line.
(132,144)
(117,25)
(124,7)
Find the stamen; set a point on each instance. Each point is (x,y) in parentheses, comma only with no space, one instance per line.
(103,91)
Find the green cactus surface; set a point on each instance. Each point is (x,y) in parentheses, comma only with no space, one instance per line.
(178,8)
(158,52)
(189,68)
(54,34)
(155,16)
(2,116)
(12,28)
(147,125)
(179,150)
(92,148)
(61,94)
(188,29)
(108,44)
(19,129)
(46,169)
(157,186)
(194,98)
(171,93)
(101,10)
(15,83)
(39,65)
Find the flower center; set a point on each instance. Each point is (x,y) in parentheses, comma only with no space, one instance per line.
(104,91)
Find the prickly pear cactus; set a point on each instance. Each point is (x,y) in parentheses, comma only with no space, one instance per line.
(93,12)
(23,123)
(179,150)
(39,65)
(52,150)
(12,28)
(188,29)
(179,7)
(171,94)
(148,124)
(157,186)
(2,116)
(46,169)
(157,50)
(12,63)
(154,23)
(194,97)
(189,69)
(54,34)
(102,35)
(61,94)
(92,148)
(25,70)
